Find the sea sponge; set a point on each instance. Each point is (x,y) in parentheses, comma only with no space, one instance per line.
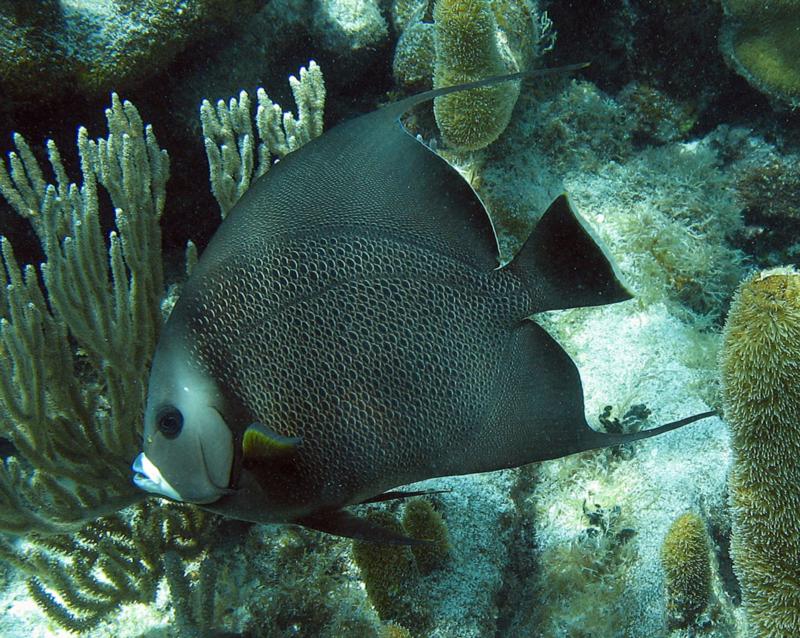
(684,556)
(422,521)
(761,40)
(760,368)
(467,50)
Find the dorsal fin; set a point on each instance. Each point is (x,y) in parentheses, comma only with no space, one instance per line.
(564,265)
(367,174)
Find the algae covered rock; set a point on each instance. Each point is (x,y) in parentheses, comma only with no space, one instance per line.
(684,556)
(349,26)
(414,56)
(93,46)
(760,367)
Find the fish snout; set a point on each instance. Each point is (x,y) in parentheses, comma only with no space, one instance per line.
(148,478)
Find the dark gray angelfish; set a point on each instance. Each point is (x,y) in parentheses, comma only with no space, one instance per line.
(347,330)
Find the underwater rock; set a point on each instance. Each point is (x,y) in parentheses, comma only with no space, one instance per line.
(759,366)
(95,46)
(761,41)
(414,56)
(349,27)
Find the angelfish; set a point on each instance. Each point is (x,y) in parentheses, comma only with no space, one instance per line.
(348,330)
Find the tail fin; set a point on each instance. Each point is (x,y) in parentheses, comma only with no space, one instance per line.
(592,440)
(564,264)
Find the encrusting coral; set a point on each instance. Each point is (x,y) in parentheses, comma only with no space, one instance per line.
(759,365)
(684,556)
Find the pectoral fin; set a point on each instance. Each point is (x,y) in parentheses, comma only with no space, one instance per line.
(399,494)
(261,443)
(341,523)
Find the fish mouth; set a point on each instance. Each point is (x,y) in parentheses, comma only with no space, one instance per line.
(148,478)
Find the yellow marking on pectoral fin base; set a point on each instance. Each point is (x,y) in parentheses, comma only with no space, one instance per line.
(260,443)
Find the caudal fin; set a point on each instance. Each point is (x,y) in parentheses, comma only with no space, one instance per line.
(564,264)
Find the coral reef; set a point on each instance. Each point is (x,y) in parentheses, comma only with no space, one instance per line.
(759,365)
(684,556)
(760,40)
(96,46)
(466,45)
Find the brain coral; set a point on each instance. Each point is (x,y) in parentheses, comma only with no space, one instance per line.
(684,556)
(466,50)
(760,367)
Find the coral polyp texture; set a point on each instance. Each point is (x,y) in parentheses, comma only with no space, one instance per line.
(422,521)
(761,41)
(760,363)
(684,556)
(467,50)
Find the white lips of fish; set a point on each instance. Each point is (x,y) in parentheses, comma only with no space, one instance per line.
(149,478)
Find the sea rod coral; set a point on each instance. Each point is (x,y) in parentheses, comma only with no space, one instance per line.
(73,415)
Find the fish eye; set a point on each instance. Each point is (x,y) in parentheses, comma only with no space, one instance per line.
(169,421)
